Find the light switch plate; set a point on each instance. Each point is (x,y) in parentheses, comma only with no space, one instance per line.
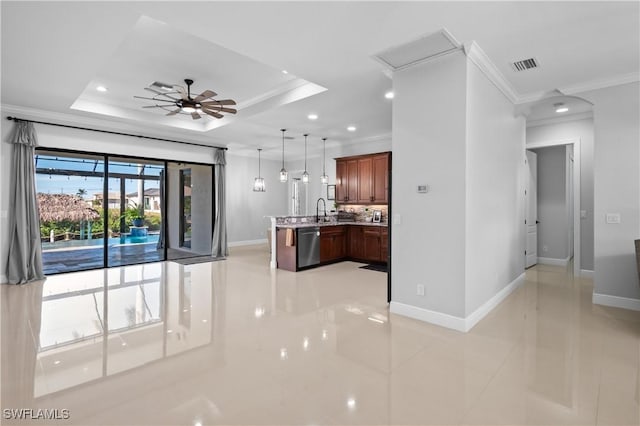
(583,214)
(613,218)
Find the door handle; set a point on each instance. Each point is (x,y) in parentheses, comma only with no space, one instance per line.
(537,222)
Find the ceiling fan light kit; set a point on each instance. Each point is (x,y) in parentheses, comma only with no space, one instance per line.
(179,101)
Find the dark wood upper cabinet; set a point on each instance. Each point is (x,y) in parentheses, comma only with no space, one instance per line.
(363,179)
(380,178)
(365,183)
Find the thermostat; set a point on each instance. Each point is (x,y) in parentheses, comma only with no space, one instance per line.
(423,189)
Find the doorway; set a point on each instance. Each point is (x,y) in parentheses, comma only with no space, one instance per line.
(569,194)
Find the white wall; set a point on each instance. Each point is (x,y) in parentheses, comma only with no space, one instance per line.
(495,210)
(581,129)
(246,210)
(616,125)
(429,148)
(552,203)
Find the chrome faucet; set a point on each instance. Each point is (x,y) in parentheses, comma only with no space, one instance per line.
(317,208)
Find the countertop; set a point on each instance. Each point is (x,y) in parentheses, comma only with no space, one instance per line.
(312,224)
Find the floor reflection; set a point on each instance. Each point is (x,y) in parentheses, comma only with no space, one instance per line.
(234,342)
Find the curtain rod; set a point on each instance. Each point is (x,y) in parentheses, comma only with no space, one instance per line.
(115,133)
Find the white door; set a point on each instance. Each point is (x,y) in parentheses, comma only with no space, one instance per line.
(531,202)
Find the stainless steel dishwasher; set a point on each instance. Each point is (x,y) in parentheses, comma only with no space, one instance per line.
(308,246)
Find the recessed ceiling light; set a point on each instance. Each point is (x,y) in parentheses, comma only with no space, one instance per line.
(285,72)
(312,116)
(351,128)
(389,95)
(101,89)
(560,107)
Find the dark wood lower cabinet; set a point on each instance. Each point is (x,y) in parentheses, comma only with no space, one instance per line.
(340,242)
(333,243)
(384,245)
(356,242)
(372,243)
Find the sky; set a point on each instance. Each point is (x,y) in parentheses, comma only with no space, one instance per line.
(57,184)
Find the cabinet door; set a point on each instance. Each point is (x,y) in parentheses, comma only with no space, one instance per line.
(372,243)
(352,181)
(341,181)
(340,245)
(380,178)
(326,247)
(355,248)
(384,245)
(365,183)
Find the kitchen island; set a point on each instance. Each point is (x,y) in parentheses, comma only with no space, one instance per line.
(304,245)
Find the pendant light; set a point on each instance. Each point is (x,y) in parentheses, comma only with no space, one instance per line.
(324,178)
(258,183)
(283,172)
(305,174)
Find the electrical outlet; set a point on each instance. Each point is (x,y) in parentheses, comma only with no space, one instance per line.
(420,289)
(613,218)
(545,248)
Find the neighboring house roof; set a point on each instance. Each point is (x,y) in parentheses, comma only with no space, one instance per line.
(149,192)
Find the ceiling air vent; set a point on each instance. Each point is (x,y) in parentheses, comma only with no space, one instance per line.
(525,64)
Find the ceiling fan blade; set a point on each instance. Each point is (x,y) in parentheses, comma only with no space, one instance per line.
(205,95)
(154,99)
(195,116)
(174,112)
(154,106)
(182,92)
(159,93)
(212,113)
(222,102)
(220,109)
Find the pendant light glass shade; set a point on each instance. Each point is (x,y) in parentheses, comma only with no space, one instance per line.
(284,176)
(305,174)
(324,178)
(258,183)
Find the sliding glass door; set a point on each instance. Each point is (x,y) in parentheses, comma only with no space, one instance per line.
(136,214)
(101,210)
(70,189)
(189,210)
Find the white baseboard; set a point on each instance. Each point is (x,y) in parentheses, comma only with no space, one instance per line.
(554,262)
(426,315)
(586,273)
(453,322)
(616,301)
(490,304)
(248,242)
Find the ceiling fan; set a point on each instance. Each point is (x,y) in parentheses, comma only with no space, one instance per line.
(177,100)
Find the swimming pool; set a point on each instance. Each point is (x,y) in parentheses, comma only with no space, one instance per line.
(98,242)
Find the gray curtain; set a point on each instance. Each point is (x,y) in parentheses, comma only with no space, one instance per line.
(20,316)
(161,237)
(25,252)
(219,247)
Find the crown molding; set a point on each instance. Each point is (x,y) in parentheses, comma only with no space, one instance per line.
(563,119)
(487,67)
(601,83)
(113,124)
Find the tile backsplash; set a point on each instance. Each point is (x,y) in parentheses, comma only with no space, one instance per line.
(363,212)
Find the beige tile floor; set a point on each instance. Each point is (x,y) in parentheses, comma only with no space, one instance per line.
(234,343)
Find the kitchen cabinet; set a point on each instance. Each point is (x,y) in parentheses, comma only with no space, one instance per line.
(363,179)
(384,245)
(372,243)
(356,242)
(380,178)
(333,243)
(347,180)
(285,255)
